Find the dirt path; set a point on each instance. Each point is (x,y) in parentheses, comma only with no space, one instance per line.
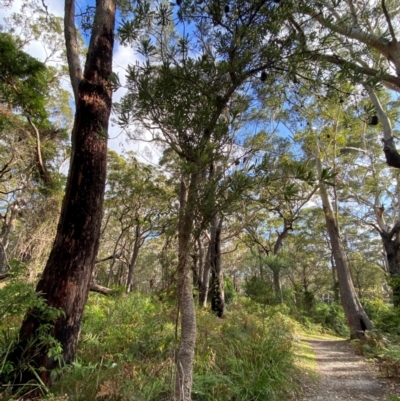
(345,376)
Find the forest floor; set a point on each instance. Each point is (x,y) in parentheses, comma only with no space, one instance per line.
(341,375)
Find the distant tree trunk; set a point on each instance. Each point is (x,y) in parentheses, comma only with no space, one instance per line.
(335,285)
(357,319)
(276,271)
(132,263)
(391,243)
(205,282)
(6,230)
(164,260)
(184,363)
(66,278)
(217,281)
(276,276)
(200,264)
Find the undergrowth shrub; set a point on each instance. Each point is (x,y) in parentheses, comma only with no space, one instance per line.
(385,317)
(331,317)
(323,318)
(17,296)
(244,357)
(127,350)
(382,343)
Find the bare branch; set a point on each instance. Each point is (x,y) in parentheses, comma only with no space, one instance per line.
(42,168)
(389,21)
(100,289)
(71,42)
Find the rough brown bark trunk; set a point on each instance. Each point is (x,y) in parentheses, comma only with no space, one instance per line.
(205,282)
(66,278)
(335,286)
(217,282)
(357,319)
(184,363)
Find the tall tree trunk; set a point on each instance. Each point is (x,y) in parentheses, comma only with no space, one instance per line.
(357,319)
(132,263)
(276,271)
(64,284)
(184,365)
(217,281)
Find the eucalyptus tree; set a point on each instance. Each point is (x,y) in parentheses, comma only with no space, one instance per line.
(283,186)
(33,136)
(64,284)
(323,138)
(136,203)
(374,188)
(312,273)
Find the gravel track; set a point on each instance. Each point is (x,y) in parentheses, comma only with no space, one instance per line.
(344,376)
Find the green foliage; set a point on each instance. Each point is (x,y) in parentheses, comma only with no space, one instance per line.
(244,357)
(16,297)
(259,290)
(127,348)
(330,317)
(23,79)
(229,290)
(385,317)
(322,317)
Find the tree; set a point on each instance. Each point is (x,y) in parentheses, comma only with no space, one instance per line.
(65,280)
(360,38)
(323,137)
(34,136)
(136,203)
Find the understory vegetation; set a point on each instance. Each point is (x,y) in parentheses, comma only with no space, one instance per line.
(128,345)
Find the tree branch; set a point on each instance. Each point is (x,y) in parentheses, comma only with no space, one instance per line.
(389,148)
(391,81)
(100,289)
(71,43)
(42,168)
(389,21)
(4,276)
